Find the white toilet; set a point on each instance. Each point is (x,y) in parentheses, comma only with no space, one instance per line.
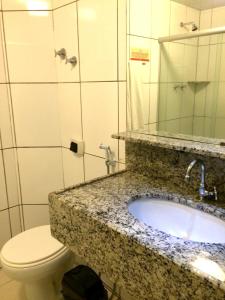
(39,261)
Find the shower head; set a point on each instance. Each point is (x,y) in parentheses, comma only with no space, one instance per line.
(194,26)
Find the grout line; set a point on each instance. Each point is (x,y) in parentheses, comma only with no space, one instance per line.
(118,86)
(60,82)
(14,129)
(9,207)
(72,2)
(81,102)
(35,204)
(26,10)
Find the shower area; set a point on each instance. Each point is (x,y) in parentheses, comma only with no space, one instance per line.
(191,82)
(180,87)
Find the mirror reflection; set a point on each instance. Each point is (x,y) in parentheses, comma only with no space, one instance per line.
(176,68)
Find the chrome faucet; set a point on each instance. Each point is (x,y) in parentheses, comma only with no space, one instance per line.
(109,159)
(203,193)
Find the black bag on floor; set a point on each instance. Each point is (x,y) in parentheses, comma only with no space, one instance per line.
(82,283)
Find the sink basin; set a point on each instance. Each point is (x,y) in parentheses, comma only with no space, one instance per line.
(178,220)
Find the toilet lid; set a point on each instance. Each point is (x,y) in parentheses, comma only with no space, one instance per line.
(31,246)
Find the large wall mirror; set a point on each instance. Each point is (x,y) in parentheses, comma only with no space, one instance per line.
(176,68)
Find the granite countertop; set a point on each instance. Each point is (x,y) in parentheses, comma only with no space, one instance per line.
(174,143)
(104,201)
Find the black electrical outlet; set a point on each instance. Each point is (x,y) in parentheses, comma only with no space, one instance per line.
(73,147)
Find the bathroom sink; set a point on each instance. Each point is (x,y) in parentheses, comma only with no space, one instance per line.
(178,220)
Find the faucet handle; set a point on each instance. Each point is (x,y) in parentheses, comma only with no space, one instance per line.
(61,53)
(72,60)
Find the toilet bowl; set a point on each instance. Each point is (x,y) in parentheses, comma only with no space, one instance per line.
(39,261)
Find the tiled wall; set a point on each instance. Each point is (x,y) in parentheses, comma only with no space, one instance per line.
(10,208)
(92,96)
(144,31)
(48,102)
(178,69)
(209,114)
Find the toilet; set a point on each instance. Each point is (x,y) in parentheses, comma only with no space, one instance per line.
(39,261)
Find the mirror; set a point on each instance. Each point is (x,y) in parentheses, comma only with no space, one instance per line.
(176,88)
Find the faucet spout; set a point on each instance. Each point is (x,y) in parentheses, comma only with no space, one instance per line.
(203,193)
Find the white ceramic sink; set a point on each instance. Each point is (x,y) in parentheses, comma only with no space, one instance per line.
(178,220)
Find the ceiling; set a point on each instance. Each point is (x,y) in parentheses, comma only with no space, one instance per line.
(202,4)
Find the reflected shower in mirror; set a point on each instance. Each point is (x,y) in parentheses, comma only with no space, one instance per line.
(176,69)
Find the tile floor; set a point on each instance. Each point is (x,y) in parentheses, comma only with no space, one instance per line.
(9,289)
(12,290)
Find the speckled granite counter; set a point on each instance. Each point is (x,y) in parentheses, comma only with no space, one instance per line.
(200,148)
(93,220)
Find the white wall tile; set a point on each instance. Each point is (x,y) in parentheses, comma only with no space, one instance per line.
(122,117)
(221,101)
(3,73)
(15,220)
(218,17)
(186,125)
(26,5)
(190,62)
(220,128)
(173,103)
(163,96)
(11,176)
(94,167)
(98,39)
(164,50)
(40,173)
(153,112)
(100,116)
(65,32)
(35,215)
(59,3)
(173,126)
(222,63)
(211,98)
(36,114)
(70,112)
(7,136)
(205,23)
(175,62)
(209,127)
(200,98)
(122,40)
(155,58)
(218,21)
(160,11)
(140,17)
(3,195)
(122,106)
(5,233)
(203,63)
(187,101)
(198,126)
(73,168)
(178,14)
(214,62)
(30,47)
(193,15)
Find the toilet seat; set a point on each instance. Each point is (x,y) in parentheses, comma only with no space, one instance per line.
(32,248)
